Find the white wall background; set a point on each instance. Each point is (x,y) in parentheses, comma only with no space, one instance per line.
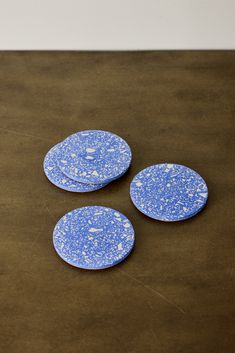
(117,24)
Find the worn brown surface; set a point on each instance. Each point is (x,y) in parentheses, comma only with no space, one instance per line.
(175,293)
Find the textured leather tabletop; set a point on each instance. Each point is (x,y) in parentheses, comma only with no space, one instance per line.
(175,292)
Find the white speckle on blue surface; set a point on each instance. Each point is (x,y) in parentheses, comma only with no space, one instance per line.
(91,237)
(94,156)
(57,178)
(169,192)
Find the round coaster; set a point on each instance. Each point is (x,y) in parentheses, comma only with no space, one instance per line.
(93,237)
(169,192)
(57,178)
(94,156)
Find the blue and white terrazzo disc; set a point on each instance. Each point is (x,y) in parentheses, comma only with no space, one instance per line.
(93,237)
(169,192)
(94,156)
(57,178)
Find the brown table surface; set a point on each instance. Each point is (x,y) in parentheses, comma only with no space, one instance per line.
(175,293)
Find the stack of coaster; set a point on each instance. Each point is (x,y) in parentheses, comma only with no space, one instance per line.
(87,161)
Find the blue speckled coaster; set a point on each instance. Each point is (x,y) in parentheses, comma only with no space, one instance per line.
(169,192)
(94,156)
(57,178)
(93,237)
